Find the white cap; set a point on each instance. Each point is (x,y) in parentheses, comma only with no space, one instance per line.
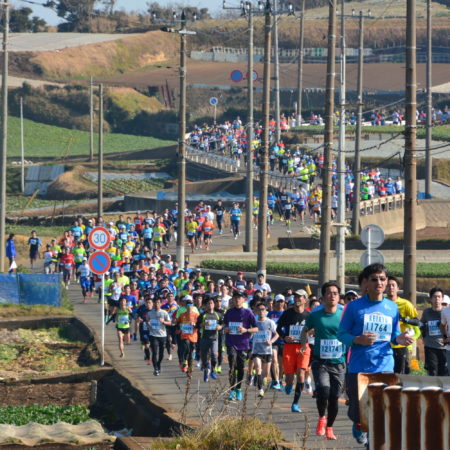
(187,297)
(446,300)
(220,281)
(279,297)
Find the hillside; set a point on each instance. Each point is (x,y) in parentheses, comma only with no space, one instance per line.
(46,141)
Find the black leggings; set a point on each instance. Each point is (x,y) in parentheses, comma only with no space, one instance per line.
(436,362)
(186,351)
(236,360)
(157,345)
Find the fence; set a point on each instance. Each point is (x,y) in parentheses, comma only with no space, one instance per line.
(405,412)
(31,289)
(381,204)
(277,180)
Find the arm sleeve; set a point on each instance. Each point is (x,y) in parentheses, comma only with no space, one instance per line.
(280,326)
(345,327)
(395,328)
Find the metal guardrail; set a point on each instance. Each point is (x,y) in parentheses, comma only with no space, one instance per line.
(382,204)
(276,180)
(405,412)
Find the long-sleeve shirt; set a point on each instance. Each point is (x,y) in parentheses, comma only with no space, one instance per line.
(11,249)
(377,316)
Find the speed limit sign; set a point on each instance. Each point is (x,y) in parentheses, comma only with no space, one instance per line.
(99,238)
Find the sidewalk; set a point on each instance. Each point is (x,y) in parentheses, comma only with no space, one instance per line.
(168,390)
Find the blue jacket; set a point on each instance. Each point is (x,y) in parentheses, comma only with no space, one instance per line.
(10,249)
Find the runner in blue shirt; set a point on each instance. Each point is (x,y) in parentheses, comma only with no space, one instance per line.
(235,218)
(369,325)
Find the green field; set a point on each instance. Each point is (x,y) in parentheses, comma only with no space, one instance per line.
(49,141)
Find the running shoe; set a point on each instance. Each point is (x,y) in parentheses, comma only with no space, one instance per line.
(358,434)
(261,393)
(184,367)
(277,387)
(170,357)
(239,395)
(329,434)
(288,389)
(295,408)
(206,375)
(321,425)
(232,395)
(122,355)
(219,369)
(155,372)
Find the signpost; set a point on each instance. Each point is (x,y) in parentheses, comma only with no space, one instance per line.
(99,263)
(213,102)
(99,238)
(372,236)
(237,76)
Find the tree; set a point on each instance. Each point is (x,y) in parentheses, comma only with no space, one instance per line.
(20,21)
(76,13)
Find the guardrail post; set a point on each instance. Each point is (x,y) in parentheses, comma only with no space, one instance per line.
(410,418)
(431,429)
(376,416)
(392,417)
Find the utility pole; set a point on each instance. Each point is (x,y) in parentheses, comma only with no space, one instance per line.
(248,12)
(249,181)
(409,255)
(91,117)
(264,155)
(429,129)
(183,32)
(263,176)
(22,150)
(341,226)
(300,65)
(4,139)
(276,56)
(359,120)
(100,154)
(325,220)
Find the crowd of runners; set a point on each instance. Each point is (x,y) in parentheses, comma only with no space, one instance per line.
(271,339)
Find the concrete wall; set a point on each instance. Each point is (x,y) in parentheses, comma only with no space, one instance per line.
(437,212)
(392,221)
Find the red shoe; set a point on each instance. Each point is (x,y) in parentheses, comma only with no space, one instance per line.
(329,434)
(321,425)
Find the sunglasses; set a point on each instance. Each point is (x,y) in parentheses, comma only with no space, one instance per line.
(378,279)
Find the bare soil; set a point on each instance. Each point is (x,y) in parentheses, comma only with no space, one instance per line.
(429,233)
(382,76)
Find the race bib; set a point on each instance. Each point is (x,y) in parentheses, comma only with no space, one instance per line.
(295,331)
(187,328)
(156,234)
(433,328)
(155,324)
(260,337)
(68,266)
(211,325)
(123,320)
(330,349)
(234,327)
(380,324)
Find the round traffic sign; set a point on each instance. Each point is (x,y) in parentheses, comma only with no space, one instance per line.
(99,238)
(213,101)
(255,75)
(372,236)
(236,76)
(375,257)
(99,262)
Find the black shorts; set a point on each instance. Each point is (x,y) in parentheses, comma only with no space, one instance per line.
(145,338)
(263,358)
(123,330)
(113,303)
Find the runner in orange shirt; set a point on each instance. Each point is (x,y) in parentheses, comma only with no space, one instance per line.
(207,227)
(186,322)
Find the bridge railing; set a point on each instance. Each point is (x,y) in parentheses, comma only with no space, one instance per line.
(382,204)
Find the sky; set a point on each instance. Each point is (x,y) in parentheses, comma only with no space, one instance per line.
(129,5)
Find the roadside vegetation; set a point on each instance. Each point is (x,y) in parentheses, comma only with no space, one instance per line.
(424,270)
(9,310)
(43,414)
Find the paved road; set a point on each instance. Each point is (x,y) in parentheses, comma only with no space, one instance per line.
(169,389)
(41,42)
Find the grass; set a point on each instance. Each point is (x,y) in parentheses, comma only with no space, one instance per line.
(424,270)
(9,310)
(48,141)
(42,231)
(19,202)
(227,433)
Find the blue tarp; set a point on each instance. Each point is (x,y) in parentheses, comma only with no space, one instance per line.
(31,289)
